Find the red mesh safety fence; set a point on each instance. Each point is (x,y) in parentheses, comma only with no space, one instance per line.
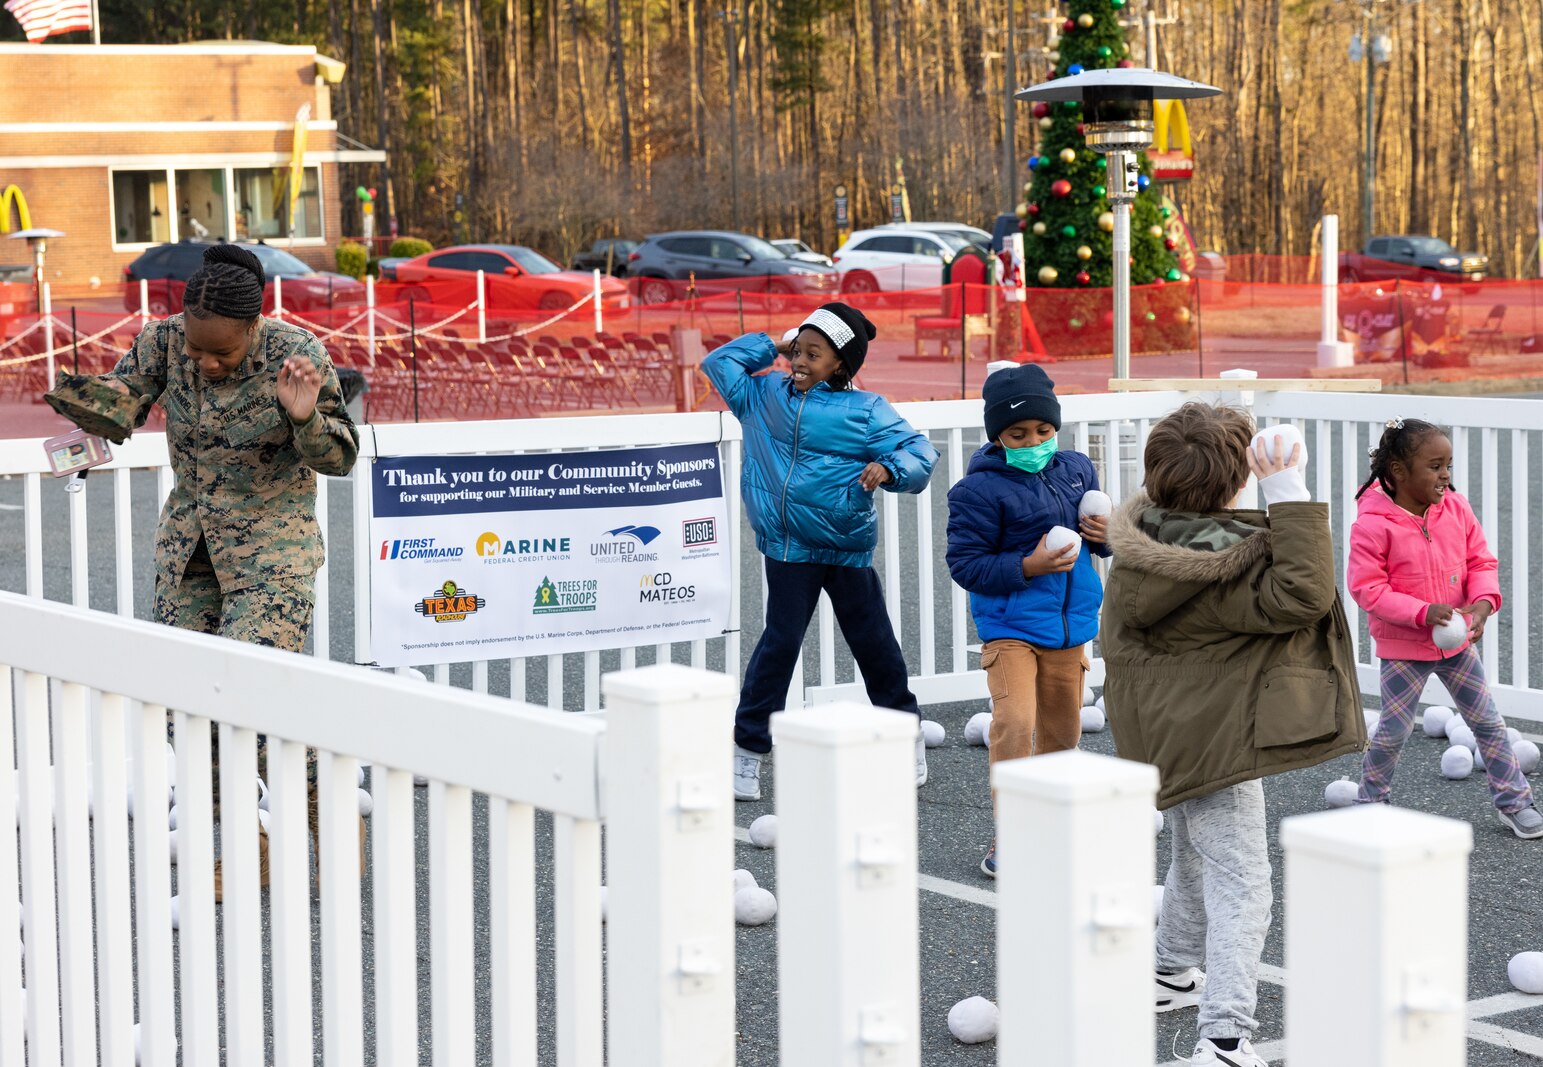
(426,351)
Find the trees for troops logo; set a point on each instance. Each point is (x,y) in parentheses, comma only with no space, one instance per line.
(552,597)
(449,603)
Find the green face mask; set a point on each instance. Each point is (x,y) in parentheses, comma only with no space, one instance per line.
(1033,459)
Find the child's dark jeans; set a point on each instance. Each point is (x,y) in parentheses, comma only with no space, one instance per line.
(792,594)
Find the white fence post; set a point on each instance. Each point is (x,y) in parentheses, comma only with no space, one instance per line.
(278,297)
(1377,904)
(369,315)
(847,956)
(144,302)
(1074,916)
(599,311)
(670,851)
(48,329)
(1332,352)
(482,308)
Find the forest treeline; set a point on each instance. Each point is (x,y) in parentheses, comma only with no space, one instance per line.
(557,121)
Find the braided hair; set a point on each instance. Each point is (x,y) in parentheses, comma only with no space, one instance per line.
(1401,439)
(228,285)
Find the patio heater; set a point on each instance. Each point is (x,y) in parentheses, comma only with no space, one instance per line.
(1117,122)
(37,241)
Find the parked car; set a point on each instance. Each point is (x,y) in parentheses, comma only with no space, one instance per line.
(793,248)
(608,254)
(974,234)
(387,266)
(891,258)
(168,267)
(720,260)
(1413,259)
(515,277)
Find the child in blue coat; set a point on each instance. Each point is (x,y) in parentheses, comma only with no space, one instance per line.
(815,451)
(1035,608)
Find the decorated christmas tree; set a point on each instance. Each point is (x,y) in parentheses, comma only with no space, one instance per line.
(1067,220)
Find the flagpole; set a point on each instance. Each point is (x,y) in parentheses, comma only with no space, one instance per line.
(96,23)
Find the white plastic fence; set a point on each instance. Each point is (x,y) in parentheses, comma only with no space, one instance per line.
(1074,929)
(1497,444)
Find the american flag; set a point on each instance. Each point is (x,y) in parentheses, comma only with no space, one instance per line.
(42,18)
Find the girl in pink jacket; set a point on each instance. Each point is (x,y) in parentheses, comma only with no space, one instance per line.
(1417,555)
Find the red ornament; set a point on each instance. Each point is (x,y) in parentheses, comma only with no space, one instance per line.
(1170,244)
(1081,128)
(1069,26)
(1060,187)
(1126,63)
(1158,282)
(1033,209)
(1083,277)
(1041,109)
(1050,75)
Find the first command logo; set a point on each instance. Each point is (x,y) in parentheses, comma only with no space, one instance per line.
(449,604)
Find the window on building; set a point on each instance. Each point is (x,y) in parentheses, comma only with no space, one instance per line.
(141,207)
(262,205)
(201,203)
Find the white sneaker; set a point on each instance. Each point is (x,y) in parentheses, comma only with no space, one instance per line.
(747,774)
(1208,1055)
(921,761)
(1175,991)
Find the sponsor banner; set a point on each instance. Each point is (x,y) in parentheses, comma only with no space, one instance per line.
(494,557)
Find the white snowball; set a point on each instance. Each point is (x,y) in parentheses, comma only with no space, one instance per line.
(605,901)
(366,803)
(171,845)
(1341,794)
(176,912)
(1512,735)
(1095,502)
(973,1020)
(413,672)
(1464,736)
(1087,695)
(1157,902)
(1436,719)
(262,819)
(1092,720)
(1371,718)
(1099,704)
(1526,971)
(763,832)
(1454,722)
(754,906)
(978,728)
(933,733)
(361,776)
(1157,822)
(1059,537)
(1452,633)
(1526,755)
(1457,762)
(1278,440)
(743,879)
(171,817)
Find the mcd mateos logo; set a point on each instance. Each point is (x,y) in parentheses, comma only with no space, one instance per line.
(660,588)
(449,603)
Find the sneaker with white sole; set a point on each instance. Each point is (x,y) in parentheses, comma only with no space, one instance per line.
(1525,824)
(1206,1054)
(921,761)
(747,774)
(1175,991)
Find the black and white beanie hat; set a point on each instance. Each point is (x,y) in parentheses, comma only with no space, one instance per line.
(847,329)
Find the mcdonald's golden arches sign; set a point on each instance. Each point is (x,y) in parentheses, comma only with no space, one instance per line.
(1172,155)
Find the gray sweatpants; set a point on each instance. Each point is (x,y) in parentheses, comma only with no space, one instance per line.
(1216,903)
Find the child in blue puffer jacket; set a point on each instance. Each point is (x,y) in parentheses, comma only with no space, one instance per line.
(815,450)
(1035,609)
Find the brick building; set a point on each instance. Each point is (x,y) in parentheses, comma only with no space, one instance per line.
(126,146)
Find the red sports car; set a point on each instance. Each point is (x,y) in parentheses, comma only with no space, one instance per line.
(516,277)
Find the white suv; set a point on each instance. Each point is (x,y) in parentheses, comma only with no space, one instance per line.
(896,257)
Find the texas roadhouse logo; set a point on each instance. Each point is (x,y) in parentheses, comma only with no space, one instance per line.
(449,603)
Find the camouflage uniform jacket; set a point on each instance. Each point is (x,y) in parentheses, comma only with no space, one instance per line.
(246,473)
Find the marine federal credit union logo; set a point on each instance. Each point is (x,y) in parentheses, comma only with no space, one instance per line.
(493,548)
(449,603)
(625,544)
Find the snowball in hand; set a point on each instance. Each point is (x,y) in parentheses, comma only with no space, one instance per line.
(763,832)
(1095,502)
(1092,720)
(1526,971)
(754,906)
(1059,537)
(977,728)
(1457,762)
(1436,719)
(973,1020)
(1340,794)
(1526,756)
(1279,440)
(933,733)
(1452,633)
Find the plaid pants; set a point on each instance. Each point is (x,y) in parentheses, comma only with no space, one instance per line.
(1402,682)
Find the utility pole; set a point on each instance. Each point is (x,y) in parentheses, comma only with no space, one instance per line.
(733,50)
(1369,179)
(1010,112)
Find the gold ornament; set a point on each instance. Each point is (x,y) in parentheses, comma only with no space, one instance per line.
(1022,210)
(1085,21)
(1055,55)
(1106,221)
(1048,274)
(1084,252)
(1068,155)
(1046,122)
(1039,229)
(1155,230)
(1182,314)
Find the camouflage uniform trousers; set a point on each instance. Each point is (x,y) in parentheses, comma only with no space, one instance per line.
(276,614)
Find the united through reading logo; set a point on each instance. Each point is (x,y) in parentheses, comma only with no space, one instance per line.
(449,603)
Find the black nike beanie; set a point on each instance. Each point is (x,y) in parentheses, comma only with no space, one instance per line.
(1014,394)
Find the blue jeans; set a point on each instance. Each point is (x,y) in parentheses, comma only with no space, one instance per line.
(792,594)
